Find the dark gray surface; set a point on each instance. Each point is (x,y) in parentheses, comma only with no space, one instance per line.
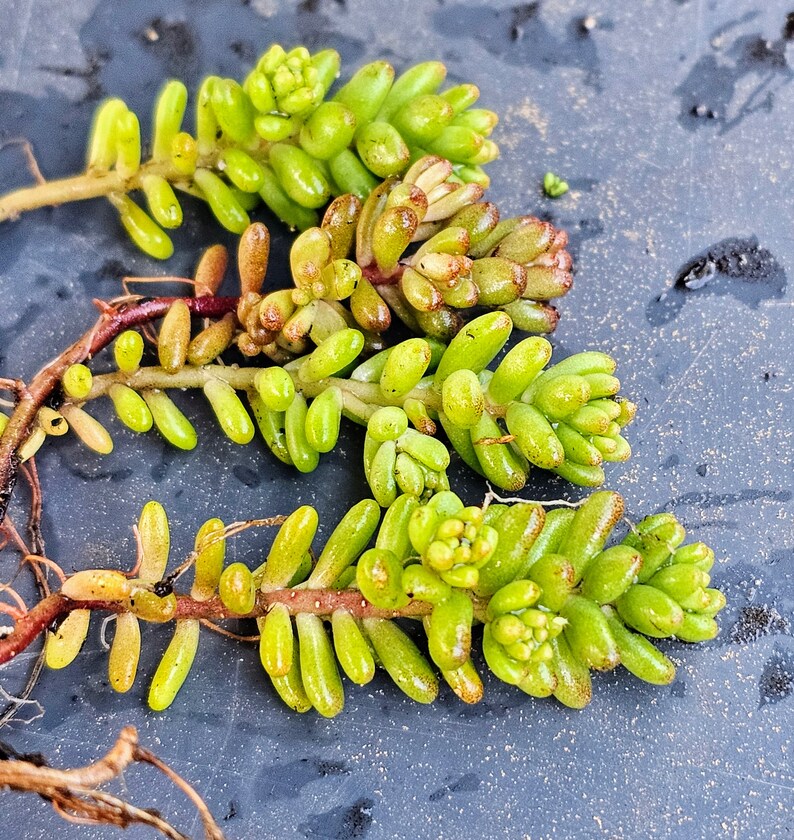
(656,186)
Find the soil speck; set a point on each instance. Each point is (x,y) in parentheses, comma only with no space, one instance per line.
(757,621)
(777,678)
(342,823)
(172,42)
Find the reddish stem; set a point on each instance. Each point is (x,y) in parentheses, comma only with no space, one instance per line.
(112,321)
(377,278)
(316,601)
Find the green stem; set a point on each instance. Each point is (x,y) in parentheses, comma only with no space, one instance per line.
(85,186)
(361,398)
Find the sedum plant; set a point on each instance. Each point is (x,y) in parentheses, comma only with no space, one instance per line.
(538,597)
(277,137)
(554,602)
(567,418)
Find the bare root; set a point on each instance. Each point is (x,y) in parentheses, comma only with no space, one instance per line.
(74,796)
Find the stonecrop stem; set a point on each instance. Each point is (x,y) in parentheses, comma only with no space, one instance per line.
(321,602)
(556,602)
(113,321)
(76,188)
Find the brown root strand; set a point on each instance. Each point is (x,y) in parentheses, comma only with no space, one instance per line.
(31,474)
(73,794)
(222,631)
(37,560)
(29,155)
(34,561)
(21,607)
(12,535)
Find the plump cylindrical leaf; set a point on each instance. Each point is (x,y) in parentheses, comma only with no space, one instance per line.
(229,410)
(319,673)
(173,338)
(236,588)
(175,665)
(402,660)
(346,543)
(379,577)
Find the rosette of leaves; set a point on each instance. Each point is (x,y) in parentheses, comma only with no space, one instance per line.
(567,417)
(276,137)
(423,247)
(555,602)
